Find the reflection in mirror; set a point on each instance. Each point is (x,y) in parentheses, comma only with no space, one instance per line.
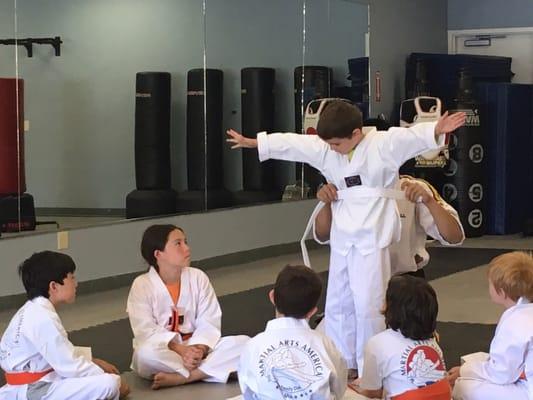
(16,206)
(256,45)
(335,62)
(103,126)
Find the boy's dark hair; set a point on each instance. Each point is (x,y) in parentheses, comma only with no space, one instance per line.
(296,291)
(338,120)
(155,237)
(42,268)
(411,307)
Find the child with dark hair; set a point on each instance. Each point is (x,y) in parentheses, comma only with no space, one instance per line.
(405,361)
(363,165)
(507,371)
(38,359)
(175,316)
(289,360)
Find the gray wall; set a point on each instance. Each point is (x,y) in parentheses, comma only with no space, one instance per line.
(477,14)
(110,250)
(398,28)
(81,105)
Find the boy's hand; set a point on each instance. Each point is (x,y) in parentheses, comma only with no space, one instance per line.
(416,192)
(453,374)
(327,193)
(239,140)
(107,367)
(192,357)
(203,348)
(124,389)
(448,123)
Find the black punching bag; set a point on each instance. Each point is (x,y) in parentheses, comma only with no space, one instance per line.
(317,84)
(464,183)
(154,195)
(152,131)
(204,168)
(257,100)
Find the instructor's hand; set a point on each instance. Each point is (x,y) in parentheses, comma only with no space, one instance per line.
(327,193)
(416,192)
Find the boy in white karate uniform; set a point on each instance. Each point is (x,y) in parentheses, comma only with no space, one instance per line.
(175,317)
(363,164)
(405,361)
(507,371)
(38,359)
(423,212)
(289,360)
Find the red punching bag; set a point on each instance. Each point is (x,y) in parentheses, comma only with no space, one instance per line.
(12,178)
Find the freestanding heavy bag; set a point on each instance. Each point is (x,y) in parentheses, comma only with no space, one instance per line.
(204,159)
(257,104)
(152,131)
(154,195)
(464,186)
(12,175)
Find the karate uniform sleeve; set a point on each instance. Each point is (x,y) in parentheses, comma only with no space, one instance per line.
(339,377)
(142,319)
(372,378)
(401,144)
(308,149)
(505,362)
(427,222)
(208,315)
(51,341)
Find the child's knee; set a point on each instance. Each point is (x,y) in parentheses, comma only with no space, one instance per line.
(110,383)
(464,389)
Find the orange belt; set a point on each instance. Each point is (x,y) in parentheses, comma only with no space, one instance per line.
(436,391)
(25,378)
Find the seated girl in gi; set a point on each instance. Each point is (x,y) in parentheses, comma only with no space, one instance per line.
(405,361)
(290,360)
(38,359)
(507,371)
(175,317)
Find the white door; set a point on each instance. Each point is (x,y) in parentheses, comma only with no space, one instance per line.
(513,42)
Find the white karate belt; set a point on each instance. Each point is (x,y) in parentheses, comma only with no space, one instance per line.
(355,192)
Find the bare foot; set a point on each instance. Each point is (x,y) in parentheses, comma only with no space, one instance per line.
(164,379)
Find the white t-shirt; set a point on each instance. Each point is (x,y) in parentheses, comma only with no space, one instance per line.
(398,364)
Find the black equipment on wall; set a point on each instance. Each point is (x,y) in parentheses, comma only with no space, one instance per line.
(317,84)
(464,186)
(205,141)
(359,77)
(509,137)
(443,72)
(152,148)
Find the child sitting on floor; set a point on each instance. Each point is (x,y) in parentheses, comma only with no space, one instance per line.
(507,371)
(405,361)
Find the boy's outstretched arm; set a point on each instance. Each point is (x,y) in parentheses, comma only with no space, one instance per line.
(448,123)
(240,141)
(294,147)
